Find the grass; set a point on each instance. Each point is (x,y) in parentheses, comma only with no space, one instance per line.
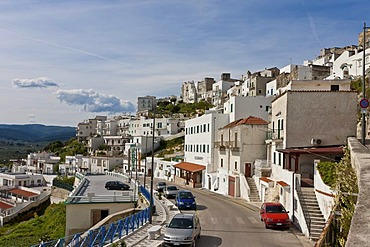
(47,227)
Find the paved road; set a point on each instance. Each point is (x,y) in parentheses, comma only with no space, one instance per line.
(228,223)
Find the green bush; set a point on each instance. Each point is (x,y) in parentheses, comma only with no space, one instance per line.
(327,172)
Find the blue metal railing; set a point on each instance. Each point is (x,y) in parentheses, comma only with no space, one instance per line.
(105,234)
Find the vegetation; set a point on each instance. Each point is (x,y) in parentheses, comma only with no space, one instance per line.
(346,196)
(342,179)
(70,148)
(327,172)
(171,146)
(49,226)
(169,108)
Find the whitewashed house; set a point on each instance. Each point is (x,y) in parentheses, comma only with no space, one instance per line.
(238,145)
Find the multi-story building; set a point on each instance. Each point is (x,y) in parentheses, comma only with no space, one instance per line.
(238,145)
(199,166)
(88,128)
(42,162)
(255,84)
(240,107)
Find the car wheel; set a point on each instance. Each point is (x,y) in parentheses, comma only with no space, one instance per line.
(266,225)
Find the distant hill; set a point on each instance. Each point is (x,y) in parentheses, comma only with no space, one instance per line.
(36,133)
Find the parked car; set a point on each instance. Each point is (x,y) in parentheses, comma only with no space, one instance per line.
(183,230)
(170,191)
(161,186)
(116,185)
(185,200)
(274,215)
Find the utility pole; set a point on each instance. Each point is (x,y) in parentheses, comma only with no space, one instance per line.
(363,113)
(152,168)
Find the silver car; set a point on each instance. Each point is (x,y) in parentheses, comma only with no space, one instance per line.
(184,230)
(170,191)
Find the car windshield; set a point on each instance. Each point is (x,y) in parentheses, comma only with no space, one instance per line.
(275,209)
(162,184)
(181,223)
(186,195)
(171,188)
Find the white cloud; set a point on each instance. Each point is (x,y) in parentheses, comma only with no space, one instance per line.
(41,82)
(95,102)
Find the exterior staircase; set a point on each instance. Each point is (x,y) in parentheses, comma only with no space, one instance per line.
(314,218)
(254,196)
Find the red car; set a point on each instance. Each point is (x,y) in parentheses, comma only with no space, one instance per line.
(274,215)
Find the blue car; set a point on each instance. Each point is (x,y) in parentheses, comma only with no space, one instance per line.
(185,200)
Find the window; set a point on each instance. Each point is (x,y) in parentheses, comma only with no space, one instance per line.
(236,139)
(204,148)
(334,88)
(197,128)
(207,148)
(274,157)
(236,165)
(222,163)
(208,127)
(231,108)
(204,127)
(222,139)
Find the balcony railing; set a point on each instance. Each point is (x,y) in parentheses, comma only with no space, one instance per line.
(227,145)
(275,134)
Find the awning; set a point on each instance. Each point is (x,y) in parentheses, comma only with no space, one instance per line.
(313,150)
(191,167)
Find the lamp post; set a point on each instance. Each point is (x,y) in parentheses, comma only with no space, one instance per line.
(363,122)
(152,167)
(146,154)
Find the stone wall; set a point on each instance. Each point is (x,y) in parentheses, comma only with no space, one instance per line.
(359,233)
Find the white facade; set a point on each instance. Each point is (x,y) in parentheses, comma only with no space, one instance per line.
(219,91)
(241,107)
(200,134)
(163,126)
(349,64)
(42,162)
(18,179)
(238,145)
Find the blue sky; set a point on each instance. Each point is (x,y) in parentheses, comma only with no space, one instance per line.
(66,61)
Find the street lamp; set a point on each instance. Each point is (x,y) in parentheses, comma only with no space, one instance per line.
(146,154)
(152,168)
(363,122)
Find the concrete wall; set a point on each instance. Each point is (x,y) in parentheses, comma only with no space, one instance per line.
(359,233)
(79,217)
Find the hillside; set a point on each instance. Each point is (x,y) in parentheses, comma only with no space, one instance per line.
(16,141)
(35,132)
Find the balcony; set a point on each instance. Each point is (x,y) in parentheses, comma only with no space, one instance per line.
(275,135)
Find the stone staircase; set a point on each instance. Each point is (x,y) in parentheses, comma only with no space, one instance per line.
(314,218)
(254,196)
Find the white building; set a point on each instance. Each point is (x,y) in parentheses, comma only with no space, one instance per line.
(238,145)
(240,107)
(200,134)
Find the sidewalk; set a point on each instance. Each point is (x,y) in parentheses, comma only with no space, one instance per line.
(163,215)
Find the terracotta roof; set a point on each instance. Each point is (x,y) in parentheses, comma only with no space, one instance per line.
(191,167)
(315,150)
(282,183)
(24,193)
(264,179)
(5,205)
(249,120)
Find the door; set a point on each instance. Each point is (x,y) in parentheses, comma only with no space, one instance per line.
(248,169)
(231,186)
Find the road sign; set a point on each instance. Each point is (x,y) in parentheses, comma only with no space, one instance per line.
(364,103)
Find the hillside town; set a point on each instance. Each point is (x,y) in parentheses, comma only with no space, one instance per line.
(261,141)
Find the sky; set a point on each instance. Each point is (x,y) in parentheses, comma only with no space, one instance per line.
(63,62)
